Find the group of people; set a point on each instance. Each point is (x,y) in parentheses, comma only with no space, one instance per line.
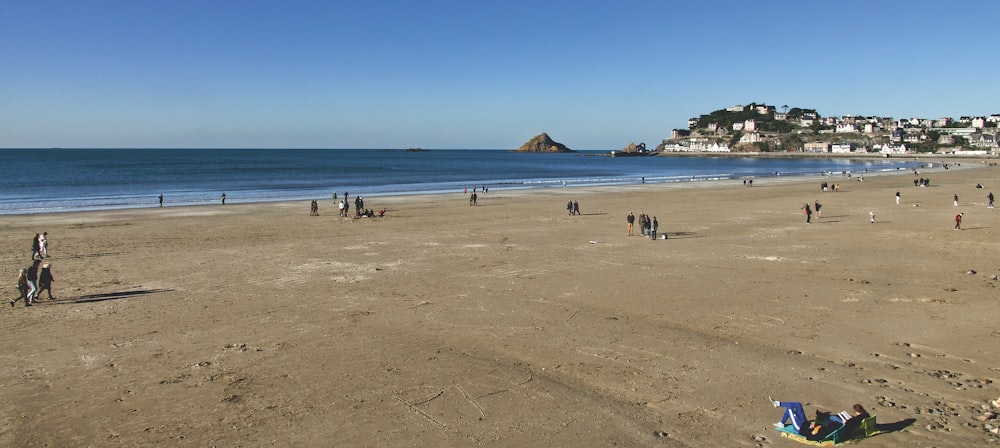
(573,207)
(809,210)
(648,226)
(37,277)
(825,186)
(823,424)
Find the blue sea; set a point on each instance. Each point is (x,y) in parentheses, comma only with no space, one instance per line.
(58,180)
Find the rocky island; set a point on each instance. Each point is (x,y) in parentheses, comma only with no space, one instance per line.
(543,143)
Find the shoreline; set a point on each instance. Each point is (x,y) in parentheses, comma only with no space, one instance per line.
(694,182)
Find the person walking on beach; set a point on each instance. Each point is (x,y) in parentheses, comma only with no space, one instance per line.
(43,245)
(956,200)
(22,287)
(223,198)
(569,207)
(653,227)
(36,248)
(642,223)
(340,208)
(45,280)
(630,220)
(314,208)
(809,213)
(897,197)
(32,279)
(958,221)
(161,200)
(989,199)
(576,208)
(817,206)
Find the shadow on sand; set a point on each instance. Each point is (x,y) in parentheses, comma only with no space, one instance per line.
(112,296)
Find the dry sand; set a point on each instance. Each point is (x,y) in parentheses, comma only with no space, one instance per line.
(511,323)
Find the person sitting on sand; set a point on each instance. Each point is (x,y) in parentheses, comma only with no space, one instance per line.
(823,426)
(794,415)
(853,423)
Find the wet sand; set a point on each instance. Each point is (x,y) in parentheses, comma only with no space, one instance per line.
(512,323)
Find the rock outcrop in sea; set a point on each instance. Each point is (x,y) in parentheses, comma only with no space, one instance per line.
(543,143)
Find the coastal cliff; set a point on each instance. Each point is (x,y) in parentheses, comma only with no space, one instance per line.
(543,143)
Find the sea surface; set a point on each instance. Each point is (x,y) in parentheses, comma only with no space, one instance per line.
(58,180)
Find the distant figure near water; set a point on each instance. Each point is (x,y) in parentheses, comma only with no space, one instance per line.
(223,198)
(161,200)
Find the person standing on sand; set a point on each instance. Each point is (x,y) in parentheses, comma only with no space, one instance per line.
(223,198)
(161,200)
(989,199)
(956,200)
(958,221)
(630,220)
(808,212)
(897,197)
(45,280)
(817,207)
(653,227)
(43,245)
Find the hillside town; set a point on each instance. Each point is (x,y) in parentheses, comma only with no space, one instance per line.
(757,128)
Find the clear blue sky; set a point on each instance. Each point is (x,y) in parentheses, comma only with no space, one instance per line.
(470,73)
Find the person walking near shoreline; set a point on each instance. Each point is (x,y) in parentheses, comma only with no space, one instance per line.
(223,198)
(897,197)
(630,220)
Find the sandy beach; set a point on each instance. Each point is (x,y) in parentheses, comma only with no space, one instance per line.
(512,323)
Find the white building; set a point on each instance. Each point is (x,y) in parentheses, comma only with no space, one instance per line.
(843,127)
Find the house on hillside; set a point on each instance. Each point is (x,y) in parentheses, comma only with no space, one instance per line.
(984,140)
(844,127)
(750,137)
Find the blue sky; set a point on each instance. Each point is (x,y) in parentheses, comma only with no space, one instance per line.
(470,74)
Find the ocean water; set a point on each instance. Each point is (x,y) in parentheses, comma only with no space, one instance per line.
(55,180)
